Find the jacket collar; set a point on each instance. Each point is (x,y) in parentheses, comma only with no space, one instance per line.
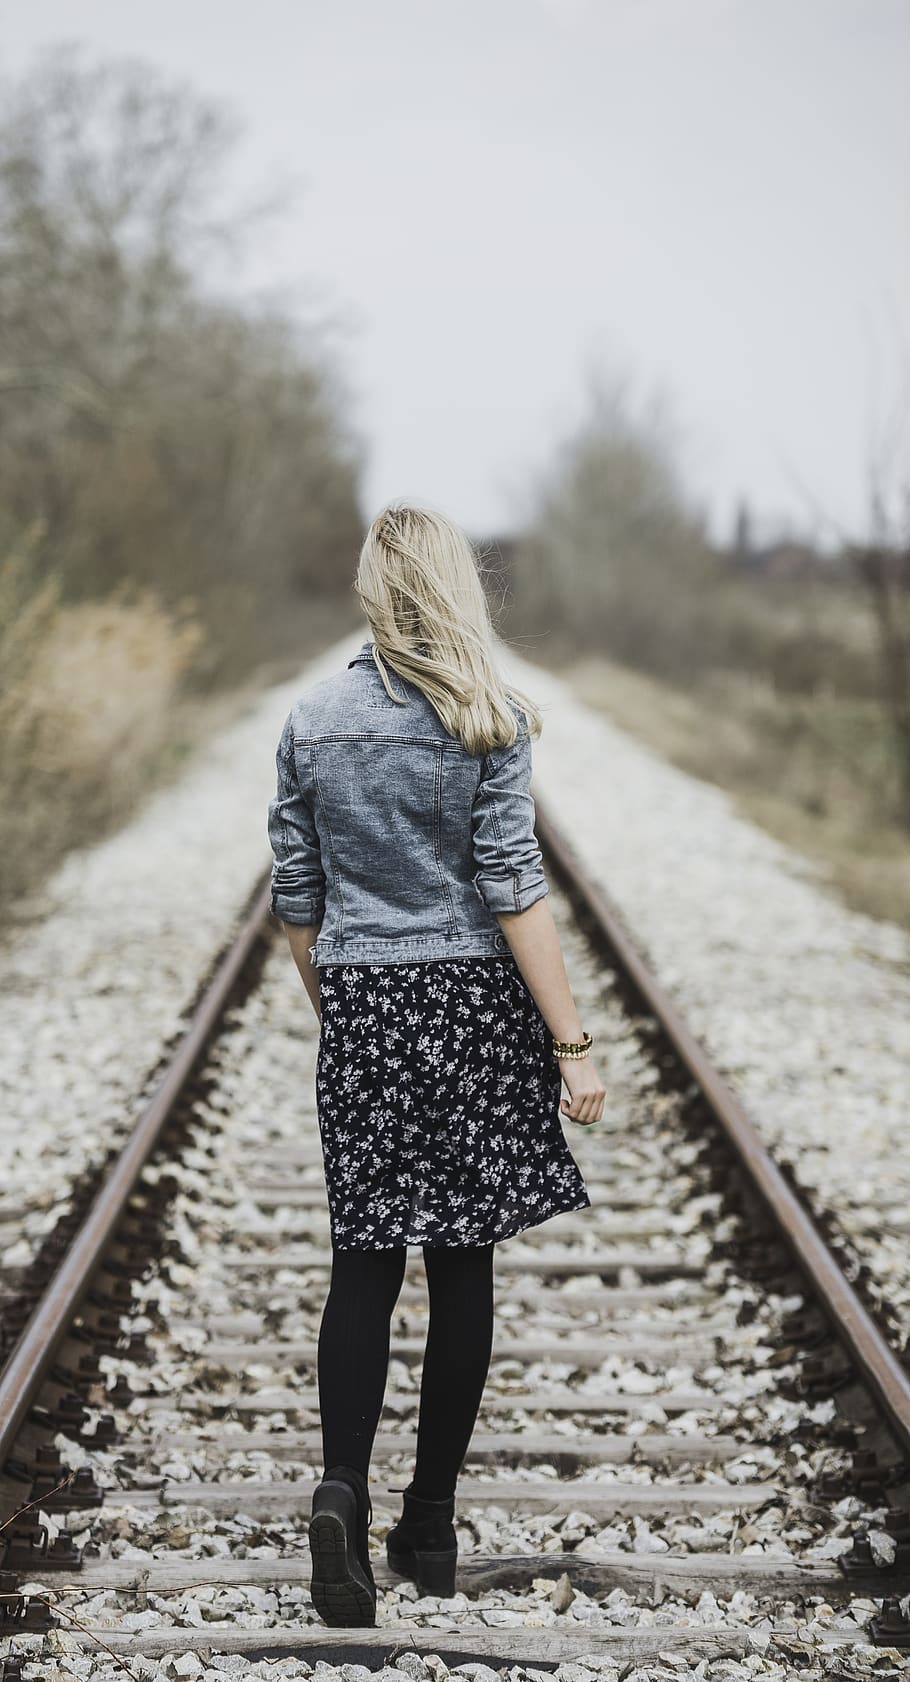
(364,656)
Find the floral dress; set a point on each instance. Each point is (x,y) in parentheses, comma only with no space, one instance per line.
(437,1094)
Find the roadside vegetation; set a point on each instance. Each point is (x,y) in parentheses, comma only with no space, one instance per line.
(178,476)
(179,519)
(781,676)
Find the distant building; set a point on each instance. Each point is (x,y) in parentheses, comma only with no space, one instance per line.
(778,557)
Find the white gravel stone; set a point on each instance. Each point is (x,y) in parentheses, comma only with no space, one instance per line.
(259,1099)
(98,984)
(802,1004)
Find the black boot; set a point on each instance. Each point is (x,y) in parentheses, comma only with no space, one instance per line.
(342,1586)
(422,1544)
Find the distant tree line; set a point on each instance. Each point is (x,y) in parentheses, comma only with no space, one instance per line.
(612,558)
(178,475)
(153,435)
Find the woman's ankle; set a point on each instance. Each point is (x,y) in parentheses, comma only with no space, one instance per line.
(431,1496)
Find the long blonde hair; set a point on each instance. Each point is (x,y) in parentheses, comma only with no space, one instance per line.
(420,589)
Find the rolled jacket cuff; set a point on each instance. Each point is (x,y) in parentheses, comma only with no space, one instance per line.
(514,891)
(291,908)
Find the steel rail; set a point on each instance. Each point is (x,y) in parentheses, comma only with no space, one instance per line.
(34,1351)
(877,1362)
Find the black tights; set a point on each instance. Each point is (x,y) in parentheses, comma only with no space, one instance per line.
(354,1357)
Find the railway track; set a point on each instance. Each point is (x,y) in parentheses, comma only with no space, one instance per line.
(693,1446)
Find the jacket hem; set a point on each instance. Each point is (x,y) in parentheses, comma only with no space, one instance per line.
(415,950)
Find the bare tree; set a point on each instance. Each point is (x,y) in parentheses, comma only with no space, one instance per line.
(613,555)
(161,436)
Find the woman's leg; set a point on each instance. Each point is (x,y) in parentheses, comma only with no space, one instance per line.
(353,1352)
(459,1341)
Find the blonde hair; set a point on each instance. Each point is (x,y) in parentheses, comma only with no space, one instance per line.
(420,589)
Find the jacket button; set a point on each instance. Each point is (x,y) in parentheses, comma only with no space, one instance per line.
(499,941)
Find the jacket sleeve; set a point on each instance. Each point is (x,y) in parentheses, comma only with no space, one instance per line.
(298,879)
(509,874)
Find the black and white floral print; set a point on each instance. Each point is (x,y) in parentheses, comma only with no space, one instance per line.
(438,1094)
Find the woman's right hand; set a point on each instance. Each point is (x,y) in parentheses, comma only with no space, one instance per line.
(585,1103)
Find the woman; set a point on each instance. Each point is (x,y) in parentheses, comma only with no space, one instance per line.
(409,880)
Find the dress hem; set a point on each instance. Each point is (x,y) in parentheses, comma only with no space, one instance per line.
(472,1243)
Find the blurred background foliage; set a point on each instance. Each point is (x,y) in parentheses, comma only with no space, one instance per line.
(777,670)
(178,475)
(180,518)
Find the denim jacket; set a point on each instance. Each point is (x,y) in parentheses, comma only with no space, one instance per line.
(392,837)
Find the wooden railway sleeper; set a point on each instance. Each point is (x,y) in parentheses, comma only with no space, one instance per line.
(769,1260)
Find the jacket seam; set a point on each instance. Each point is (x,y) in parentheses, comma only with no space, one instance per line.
(436,742)
(497,832)
(287,753)
(437,841)
(330,838)
(411,940)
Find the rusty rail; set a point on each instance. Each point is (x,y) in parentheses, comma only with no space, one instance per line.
(878,1364)
(34,1350)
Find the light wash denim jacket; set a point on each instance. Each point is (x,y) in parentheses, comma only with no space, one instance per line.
(386,832)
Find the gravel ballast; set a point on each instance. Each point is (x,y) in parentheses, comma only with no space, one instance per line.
(183,1502)
(802,1004)
(95,991)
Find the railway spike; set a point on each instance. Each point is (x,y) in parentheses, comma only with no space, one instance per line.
(28,1548)
(892,1627)
(25,1614)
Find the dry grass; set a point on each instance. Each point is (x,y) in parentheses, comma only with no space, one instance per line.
(96,712)
(87,709)
(816,772)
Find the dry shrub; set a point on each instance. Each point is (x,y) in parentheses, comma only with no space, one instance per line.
(160,445)
(103,683)
(87,705)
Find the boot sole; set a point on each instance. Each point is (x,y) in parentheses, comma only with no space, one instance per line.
(434,1573)
(340,1592)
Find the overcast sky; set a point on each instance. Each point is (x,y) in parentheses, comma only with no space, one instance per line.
(711,197)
